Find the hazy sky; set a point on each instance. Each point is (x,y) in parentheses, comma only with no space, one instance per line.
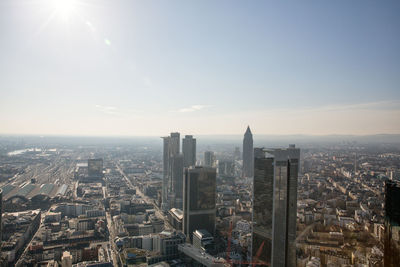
(204,67)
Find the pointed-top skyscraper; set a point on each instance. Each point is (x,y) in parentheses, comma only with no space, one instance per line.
(248,154)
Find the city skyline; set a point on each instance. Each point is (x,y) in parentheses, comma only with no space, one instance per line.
(115,199)
(199,133)
(73,67)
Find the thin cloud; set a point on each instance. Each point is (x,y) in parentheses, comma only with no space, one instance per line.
(193,108)
(118,112)
(378,105)
(108,109)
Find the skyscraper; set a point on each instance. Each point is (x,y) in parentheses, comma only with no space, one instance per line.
(171,149)
(248,154)
(174,144)
(199,194)
(189,151)
(177,180)
(209,159)
(392,224)
(164,192)
(275,205)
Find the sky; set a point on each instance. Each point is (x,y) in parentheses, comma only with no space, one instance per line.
(147,68)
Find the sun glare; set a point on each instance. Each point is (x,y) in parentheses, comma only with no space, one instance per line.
(64,8)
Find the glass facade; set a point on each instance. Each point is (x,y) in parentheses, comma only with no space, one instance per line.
(392,224)
(275,206)
(189,151)
(262,207)
(177,176)
(199,200)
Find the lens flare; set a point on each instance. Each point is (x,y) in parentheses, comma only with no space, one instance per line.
(64,8)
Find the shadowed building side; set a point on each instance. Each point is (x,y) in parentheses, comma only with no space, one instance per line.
(177,180)
(392,224)
(199,195)
(275,205)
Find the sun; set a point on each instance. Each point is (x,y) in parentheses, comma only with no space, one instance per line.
(64,9)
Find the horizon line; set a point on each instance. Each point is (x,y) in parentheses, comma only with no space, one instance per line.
(204,135)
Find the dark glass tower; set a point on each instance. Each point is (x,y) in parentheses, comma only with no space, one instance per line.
(392,224)
(248,156)
(275,205)
(177,180)
(171,148)
(174,144)
(199,194)
(189,151)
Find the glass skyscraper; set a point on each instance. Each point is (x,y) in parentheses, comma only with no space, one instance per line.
(177,180)
(275,205)
(189,151)
(199,195)
(171,148)
(392,224)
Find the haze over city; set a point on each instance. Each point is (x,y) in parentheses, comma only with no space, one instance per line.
(142,68)
(209,133)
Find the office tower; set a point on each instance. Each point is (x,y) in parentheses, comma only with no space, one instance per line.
(174,144)
(209,158)
(95,167)
(203,240)
(171,146)
(199,194)
(164,192)
(189,151)
(177,180)
(174,150)
(275,205)
(248,154)
(392,224)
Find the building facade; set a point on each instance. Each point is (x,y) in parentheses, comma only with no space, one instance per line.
(189,151)
(275,205)
(171,150)
(248,154)
(199,196)
(164,192)
(177,180)
(392,224)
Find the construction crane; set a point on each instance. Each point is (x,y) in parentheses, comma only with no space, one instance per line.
(231,262)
